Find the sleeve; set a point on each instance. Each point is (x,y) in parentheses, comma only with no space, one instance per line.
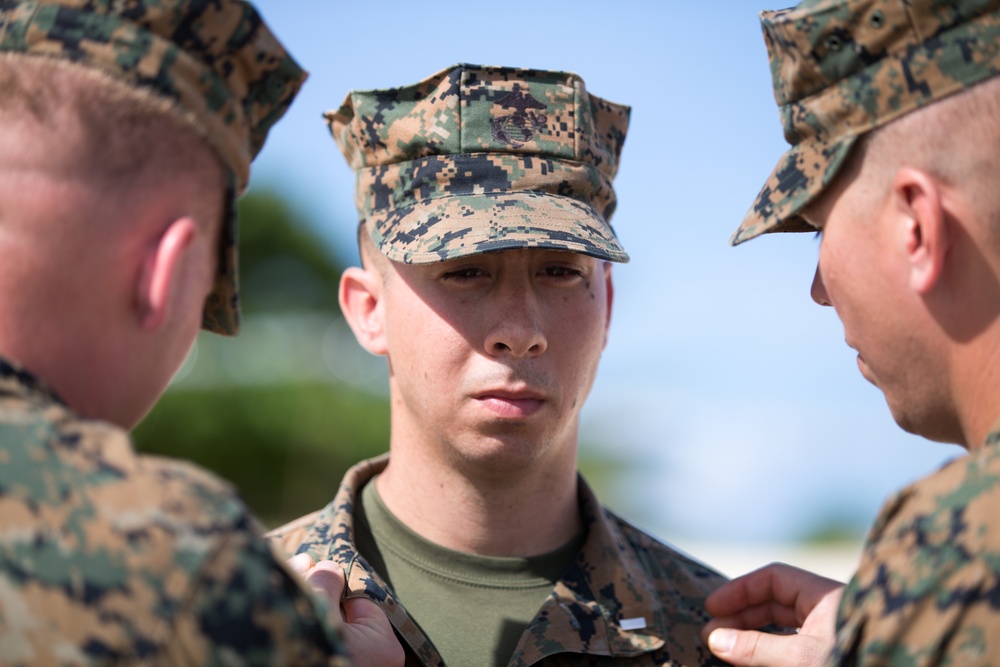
(247,608)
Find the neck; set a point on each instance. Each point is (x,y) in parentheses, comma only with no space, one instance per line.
(519,513)
(973,329)
(978,402)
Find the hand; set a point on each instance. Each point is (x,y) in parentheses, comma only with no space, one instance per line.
(364,627)
(781,595)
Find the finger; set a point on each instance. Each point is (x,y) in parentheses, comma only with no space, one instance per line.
(749,648)
(742,592)
(777,584)
(327,578)
(300,564)
(754,618)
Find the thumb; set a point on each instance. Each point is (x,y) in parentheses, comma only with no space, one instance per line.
(327,578)
(362,611)
(300,564)
(750,648)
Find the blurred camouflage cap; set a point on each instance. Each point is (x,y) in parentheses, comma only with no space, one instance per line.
(215,60)
(474,159)
(844,67)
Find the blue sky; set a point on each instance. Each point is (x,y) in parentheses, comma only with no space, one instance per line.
(729,391)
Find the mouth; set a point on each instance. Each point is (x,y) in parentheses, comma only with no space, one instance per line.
(510,404)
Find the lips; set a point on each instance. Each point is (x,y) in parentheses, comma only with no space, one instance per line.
(511,403)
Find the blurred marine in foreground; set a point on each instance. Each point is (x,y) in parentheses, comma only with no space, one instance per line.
(126,132)
(892,108)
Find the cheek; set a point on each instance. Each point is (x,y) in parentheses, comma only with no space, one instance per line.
(834,271)
(583,330)
(421,343)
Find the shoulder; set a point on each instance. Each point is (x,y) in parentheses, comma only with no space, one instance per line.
(930,570)
(955,505)
(248,603)
(287,538)
(125,556)
(667,564)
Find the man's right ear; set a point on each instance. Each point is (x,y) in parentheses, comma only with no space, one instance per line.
(361,302)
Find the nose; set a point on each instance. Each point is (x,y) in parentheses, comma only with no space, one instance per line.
(818,289)
(517,328)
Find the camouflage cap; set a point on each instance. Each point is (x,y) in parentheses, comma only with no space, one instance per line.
(215,60)
(474,159)
(844,67)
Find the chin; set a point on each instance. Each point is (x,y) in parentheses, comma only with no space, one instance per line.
(934,425)
(501,458)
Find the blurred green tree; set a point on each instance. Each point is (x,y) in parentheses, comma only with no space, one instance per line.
(284,266)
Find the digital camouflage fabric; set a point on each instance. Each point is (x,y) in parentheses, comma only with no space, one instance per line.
(927,591)
(474,159)
(844,67)
(109,558)
(215,60)
(626,599)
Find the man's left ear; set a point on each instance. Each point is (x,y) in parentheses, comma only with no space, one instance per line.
(160,273)
(920,202)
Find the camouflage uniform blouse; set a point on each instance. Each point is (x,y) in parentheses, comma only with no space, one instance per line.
(927,591)
(620,574)
(107,557)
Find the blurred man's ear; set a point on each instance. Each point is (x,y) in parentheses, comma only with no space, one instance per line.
(360,300)
(160,275)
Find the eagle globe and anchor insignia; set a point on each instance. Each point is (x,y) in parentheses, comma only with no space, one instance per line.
(520,127)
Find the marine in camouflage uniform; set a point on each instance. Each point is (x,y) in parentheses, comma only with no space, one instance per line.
(473,161)
(107,557)
(621,576)
(111,558)
(926,590)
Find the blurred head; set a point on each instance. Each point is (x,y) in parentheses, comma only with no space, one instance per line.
(113,208)
(485,200)
(127,130)
(216,64)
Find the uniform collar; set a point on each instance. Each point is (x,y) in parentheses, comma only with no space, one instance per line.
(993,437)
(604,604)
(19,382)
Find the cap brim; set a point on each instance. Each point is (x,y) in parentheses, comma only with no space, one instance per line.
(803,172)
(456,226)
(221,314)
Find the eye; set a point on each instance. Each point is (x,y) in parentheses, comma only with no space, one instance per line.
(464,274)
(562,272)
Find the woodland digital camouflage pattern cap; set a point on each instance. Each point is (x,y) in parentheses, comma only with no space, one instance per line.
(214,59)
(844,67)
(475,158)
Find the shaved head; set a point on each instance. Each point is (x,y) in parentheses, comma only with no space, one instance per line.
(91,127)
(956,139)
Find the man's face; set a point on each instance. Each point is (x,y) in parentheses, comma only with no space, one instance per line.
(863,273)
(492,356)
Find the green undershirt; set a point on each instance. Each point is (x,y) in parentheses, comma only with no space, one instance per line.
(472,608)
